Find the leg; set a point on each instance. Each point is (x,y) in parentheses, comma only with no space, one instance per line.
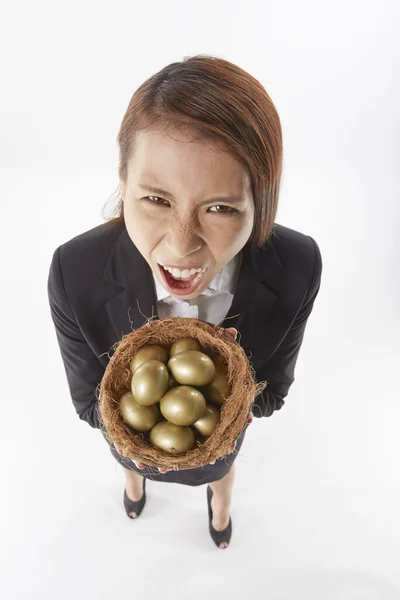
(134,486)
(221,501)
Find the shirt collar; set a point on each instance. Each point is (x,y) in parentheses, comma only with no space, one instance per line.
(224,281)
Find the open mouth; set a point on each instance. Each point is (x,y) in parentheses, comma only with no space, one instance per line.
(179,286)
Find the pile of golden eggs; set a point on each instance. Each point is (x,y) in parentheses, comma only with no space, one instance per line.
(176,395)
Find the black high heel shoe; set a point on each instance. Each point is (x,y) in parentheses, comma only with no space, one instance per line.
(217,536)
(136,507)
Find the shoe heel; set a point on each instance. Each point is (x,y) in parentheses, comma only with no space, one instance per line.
(137,507)
(217,536)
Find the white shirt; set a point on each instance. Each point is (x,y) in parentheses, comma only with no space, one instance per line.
(212,305)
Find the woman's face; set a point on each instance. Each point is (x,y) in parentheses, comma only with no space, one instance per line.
(190,219)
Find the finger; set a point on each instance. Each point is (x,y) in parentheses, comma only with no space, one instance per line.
(231,331)
(163,469)
(213,462)
(138,464)
(233,447)
(251,417)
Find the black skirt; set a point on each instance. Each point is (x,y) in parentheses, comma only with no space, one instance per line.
(193,477)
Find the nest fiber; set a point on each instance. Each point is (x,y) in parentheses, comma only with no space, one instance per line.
(226,353)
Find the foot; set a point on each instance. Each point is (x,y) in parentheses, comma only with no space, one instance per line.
(221,515)
(134,491)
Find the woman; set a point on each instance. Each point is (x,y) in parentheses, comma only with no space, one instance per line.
(194,236)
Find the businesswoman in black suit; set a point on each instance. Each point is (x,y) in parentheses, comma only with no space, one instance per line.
(200,166)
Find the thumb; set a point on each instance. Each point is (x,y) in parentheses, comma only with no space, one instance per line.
(232,331)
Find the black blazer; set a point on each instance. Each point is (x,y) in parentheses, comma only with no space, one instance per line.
(100,288)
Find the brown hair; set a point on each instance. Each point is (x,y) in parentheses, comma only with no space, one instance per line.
(221,103)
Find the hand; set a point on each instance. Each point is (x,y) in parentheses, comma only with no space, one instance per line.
(140,465)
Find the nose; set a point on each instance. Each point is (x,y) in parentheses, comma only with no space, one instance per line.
(182,242)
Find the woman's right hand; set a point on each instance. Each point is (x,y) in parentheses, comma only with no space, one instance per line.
(140,465)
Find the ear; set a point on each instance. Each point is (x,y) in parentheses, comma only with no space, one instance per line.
(122,188)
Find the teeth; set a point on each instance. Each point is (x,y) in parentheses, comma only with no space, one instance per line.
(185,273)
(199,276)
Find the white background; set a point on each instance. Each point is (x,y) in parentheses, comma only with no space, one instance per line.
(314,506)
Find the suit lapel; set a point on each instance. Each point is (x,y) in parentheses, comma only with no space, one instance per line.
(252,311)
(137,300)
(253,303)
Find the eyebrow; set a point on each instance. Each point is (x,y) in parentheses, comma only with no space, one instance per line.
(155,190)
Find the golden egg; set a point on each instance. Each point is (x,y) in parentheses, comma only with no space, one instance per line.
(150,382)
(218,390)
(206,424)
(183,405)
(148,352)
(171,438)
(141,418)
(183,345)
(192,367)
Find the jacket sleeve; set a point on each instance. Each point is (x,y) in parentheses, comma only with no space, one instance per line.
(83,369)
(279,372)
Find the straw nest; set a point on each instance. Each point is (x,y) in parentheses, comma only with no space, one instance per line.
(226,354)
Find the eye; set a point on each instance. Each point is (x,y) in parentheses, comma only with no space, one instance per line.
(233,211)
(148,198)
(230,210)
